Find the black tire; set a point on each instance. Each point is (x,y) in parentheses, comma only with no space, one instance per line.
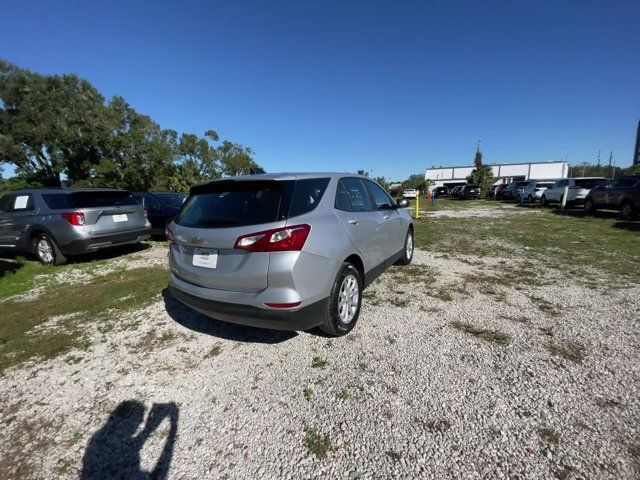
(530,199)
(543,201)
(628,211)
(406,259)
(589,207)
(333,324)
(46,250)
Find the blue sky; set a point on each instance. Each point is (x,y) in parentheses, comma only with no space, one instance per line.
(388,86)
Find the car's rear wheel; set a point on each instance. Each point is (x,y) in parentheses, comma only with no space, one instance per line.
(407,252)
(530,199)
(589,207)
(628,211)
(344,302)
(543,201)
(47,251)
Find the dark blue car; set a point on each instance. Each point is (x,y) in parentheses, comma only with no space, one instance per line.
(161,207)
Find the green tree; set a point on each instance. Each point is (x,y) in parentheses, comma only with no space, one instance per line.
(383,182)
(416,181)
(50,125)
(235,159)
(481,175)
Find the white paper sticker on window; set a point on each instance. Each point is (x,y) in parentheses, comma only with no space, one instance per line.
(21,202)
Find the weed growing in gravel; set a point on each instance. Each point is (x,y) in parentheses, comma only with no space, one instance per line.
(308,394)
(517,319)
(433,425)
(391,339)
(371,297)
(63,467)
(545,305)
(485,334)
(571,351)
(362,366)
(317,444)
(344,394)
(443,293)
(608,403)
(393,456)
(549,435)
(214,352)
(318,362)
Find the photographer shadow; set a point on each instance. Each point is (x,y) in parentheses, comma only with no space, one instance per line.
(114,450)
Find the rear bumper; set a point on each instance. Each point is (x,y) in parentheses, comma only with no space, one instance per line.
(91,244)
(302,318)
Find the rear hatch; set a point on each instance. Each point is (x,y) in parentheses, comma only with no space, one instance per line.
(212,219)
(109,211)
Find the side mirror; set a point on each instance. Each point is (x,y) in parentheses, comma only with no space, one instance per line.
(403,203)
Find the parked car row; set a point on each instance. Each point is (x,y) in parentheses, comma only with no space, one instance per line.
(594,193)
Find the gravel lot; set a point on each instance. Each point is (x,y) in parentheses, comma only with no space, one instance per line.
(447,375)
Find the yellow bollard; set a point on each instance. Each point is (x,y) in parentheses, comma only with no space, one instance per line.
(417,203)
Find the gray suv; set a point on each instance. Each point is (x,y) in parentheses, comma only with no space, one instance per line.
(54,223)
(286,251)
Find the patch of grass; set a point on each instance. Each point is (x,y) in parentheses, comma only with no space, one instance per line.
(95,302)
(63,467)
(482,333)
(344,394)
(393,456)
(318,362)
(571,350)
(399,302)
(391,339)
(517,319)
(214,352)
(442,293)
(318,444)
(434,425)
(308,394)
(549,435)
(608,403)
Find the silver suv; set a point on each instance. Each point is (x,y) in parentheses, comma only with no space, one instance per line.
(286,251)
(54,223)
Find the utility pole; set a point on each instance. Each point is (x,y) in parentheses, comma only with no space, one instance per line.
(610,160)
(598,158)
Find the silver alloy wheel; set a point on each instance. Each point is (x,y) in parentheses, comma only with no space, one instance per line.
(348,299)
(409,247)
(45,250)
(626,210)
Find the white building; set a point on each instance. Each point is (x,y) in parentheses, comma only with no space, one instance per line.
(506,172)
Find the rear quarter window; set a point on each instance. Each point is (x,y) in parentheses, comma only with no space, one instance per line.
(57,201)
(307,195)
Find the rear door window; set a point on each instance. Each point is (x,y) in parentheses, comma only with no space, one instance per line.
(232,204)
(381,199)
(627,182)
(352,196)
(588,182)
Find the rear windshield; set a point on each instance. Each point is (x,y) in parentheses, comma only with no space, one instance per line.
(472,186)
(589,182)
(171,200)
(60,201)
(102,199)
(241,203)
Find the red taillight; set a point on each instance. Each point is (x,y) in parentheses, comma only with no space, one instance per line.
(283,305)
(169,235)
(74,218)
(276,240)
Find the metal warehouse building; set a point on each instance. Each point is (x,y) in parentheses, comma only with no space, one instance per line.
(451,176)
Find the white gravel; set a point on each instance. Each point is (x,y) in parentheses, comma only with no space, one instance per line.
(405,395)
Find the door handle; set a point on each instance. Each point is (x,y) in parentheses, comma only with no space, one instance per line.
(353,221)
(386,216)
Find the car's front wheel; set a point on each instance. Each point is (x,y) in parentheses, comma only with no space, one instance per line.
(530,199)
(543,201)
(47,251)
(344,301)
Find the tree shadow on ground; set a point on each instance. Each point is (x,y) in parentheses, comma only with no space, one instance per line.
(9,266)
(200,323)
(626,225)
(114,450)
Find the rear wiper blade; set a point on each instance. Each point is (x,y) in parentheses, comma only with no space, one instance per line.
(217,221)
